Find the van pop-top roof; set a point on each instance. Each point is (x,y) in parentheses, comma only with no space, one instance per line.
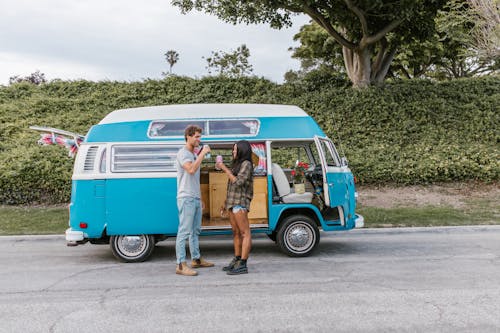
(220,122)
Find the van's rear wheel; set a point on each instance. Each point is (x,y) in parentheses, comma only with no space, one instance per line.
(298,235)
(132,248)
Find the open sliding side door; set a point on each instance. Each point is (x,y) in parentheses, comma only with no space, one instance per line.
(335,187)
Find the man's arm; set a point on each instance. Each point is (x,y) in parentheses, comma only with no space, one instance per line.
(191,167)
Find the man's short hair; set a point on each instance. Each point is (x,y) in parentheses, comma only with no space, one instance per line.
(191,130)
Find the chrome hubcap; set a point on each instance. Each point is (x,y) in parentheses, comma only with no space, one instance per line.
(300,237)
(132,245)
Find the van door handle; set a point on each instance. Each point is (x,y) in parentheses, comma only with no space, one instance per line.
(330,184)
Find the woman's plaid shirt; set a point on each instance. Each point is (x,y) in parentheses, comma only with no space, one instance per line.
(241,191)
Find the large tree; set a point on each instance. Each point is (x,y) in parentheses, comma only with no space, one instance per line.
(466,43)
(369,31)
(414,59)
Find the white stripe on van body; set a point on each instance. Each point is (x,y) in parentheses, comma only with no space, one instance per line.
(123,175)
(201,111)
(165,174)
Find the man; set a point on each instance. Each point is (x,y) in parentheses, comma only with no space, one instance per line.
(189,202)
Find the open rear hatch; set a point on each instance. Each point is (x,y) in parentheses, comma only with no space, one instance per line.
(54,136)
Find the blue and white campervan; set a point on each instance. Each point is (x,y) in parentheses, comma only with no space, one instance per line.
(124,179)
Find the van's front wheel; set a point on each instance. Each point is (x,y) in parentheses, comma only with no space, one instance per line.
(132,248)
(298,235)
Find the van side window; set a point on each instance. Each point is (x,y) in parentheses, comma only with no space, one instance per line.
(233,127)
(173,128)
(211,127)
(315,154)
(102,166)
(287,156)
(143,158)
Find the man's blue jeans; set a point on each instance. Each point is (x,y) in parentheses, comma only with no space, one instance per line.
(189,227)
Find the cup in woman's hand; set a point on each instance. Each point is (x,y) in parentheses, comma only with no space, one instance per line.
(218,160)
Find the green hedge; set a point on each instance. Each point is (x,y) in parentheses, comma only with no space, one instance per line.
(415,132)
(409,132)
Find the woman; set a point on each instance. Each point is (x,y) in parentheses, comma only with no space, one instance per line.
(239,195)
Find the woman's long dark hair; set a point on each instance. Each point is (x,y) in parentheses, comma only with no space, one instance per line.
(243,153)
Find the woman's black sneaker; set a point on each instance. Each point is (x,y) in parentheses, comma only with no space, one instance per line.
(231,264)
(239,268)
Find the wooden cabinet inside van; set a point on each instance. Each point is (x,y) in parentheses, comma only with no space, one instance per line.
(217,190)
(214,197)
(258,205)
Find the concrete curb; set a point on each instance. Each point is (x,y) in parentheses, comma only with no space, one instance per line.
(32,237)
(396,230)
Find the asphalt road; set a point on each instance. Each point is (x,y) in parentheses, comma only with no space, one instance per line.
(384,280)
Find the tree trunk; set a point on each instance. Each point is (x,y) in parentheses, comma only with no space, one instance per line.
(358,66)
(360,69)
(382,68)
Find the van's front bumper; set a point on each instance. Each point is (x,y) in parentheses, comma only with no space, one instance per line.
(359,222)
(74,237)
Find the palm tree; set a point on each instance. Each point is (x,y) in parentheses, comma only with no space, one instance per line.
(172,57)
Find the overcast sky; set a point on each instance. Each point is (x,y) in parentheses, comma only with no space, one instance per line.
(126,40)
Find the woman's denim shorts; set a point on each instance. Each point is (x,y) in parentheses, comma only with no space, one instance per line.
(237,208)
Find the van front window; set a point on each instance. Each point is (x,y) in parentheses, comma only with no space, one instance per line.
(331,155)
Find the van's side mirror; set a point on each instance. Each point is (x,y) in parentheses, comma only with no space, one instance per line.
(343,161)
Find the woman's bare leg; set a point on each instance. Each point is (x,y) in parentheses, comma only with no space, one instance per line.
(237,237)
(243,225)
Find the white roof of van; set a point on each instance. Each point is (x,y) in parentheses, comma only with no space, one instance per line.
(203,111)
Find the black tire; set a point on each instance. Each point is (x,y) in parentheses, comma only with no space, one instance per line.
(132,248)
(297,236)
(160,238)
(272,236)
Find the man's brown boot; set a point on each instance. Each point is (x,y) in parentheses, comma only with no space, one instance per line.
(197,263)
(183,269)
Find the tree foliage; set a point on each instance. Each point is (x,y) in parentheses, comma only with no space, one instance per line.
(476,22)
(35,78)
(369,31)
(172,57)
(233,64)
(470,34)
(317,49)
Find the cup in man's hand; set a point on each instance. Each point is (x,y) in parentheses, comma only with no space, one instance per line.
(201,146)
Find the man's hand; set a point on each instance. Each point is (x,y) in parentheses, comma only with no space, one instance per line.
(205,150)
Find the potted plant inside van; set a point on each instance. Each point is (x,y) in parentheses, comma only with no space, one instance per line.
(299,176)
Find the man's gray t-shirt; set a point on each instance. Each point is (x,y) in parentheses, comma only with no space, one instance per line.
(187,185)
